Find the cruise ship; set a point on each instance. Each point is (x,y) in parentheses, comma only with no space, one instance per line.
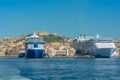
(34,47)
(103,47)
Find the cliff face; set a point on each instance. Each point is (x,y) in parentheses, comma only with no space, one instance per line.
(82,48)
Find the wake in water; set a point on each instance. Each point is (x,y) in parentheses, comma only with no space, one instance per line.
(9,72)
(59,69)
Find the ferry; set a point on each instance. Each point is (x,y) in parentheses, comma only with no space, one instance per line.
(103,47)
(34,47)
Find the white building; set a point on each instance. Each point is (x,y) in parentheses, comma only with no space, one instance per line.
(63,51)
(82,38)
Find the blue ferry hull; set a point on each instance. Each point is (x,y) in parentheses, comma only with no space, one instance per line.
(103,52)
(35,53)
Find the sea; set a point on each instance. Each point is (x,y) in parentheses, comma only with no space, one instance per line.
(13,68)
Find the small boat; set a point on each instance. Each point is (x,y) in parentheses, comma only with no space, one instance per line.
(21,52)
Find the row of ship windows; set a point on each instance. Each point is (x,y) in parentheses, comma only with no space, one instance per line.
(35,46)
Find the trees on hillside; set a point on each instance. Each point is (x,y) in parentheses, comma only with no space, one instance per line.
(53,38)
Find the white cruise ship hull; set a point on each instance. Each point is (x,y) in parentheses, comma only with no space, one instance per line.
(104,50)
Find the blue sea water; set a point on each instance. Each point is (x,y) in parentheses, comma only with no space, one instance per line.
(59,69)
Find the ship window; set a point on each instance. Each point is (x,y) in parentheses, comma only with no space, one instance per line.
(34,40)
(40,46)
(36,45)
(30,46)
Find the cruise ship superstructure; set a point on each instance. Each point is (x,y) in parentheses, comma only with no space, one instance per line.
(34,47)
(102,47)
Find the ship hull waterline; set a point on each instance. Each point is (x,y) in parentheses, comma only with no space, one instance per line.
(35,53)
(103,52)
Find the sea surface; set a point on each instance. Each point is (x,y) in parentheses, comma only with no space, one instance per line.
(12,68)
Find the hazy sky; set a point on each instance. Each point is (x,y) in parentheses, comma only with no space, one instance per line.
(67,17)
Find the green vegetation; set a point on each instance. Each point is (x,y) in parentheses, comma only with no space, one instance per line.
(53,38)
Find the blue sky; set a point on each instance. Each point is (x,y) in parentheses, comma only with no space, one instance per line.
(67,17)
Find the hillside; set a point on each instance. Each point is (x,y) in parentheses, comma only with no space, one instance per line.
(10,45)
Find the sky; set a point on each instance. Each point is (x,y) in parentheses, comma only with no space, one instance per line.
(66,17)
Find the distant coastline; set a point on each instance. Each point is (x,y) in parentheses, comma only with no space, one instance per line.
(55,43)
